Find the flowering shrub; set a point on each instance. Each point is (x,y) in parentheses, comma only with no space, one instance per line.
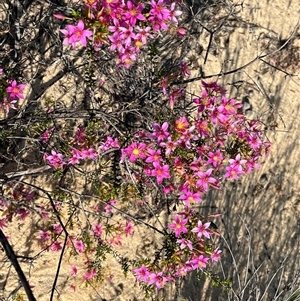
(186,158)
(180,159)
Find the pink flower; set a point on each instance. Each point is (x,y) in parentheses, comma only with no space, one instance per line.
(134,13)
(215,256)
(128,228)
(160,132)
(237,161)
(97,229)
(8,104)
(127,57)
(57,228)
(46,135)
(255,142)
(115,29)
(199,262)
(190,197)
(110,143)
(184,70)
(215,158)
(3,223)
(158,24)
(127,34)
(73,270)
(80,136)
(55,159)
(116,240)
(182,271)
(89,274)
(116,43)
(56,246)
(159,10)
(217,117)
(181,124)
(204,102)
(76,156)
(160,172)
(213,86)
(44,235)
(185,243)
(174,95)
(143,34)
(173,14)
(76,34)
(68,35)
(179,226)
(229,106)
(205,179)
(158,279)
(89,153)
(201,229)
(109,206)
(135,151)
(188,136)
(189,183)
(233,172)
(153,155)
(203,127)
(142,273)
(15,90)
(251,164)
(179,166)
(79,246)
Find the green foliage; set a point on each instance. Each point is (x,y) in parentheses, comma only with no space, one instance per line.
(169,245)
(3,138)
(19,297)
(37,129)
(295,296)
(216,280)
(2,88)
(238,146)
(76,14)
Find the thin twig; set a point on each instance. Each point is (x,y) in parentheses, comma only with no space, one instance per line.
(118,210)
(259,57)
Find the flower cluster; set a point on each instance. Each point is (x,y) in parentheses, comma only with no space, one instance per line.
(188,251)
(79,148)
(18,203)
(125,26)
(98,240)
(184,158)
(219,143)
(10,93)
(187,157)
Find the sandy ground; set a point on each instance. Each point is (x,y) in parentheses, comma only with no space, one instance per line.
(260,213)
